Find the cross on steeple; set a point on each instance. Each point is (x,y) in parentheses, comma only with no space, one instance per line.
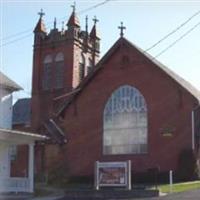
(54,23)
(74,6)
(95,20)
(86,23)
(41,13)
(62,26)
(122,28)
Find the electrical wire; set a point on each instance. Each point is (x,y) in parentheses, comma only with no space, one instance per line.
(16,40)
(173,31)
(176,41)
(48,23)
(92,7)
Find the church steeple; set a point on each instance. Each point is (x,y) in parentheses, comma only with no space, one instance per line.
(40,27)
(95,42)
(73,20)
(40,30)
(94,33)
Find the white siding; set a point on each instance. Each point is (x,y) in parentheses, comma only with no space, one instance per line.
(5,109)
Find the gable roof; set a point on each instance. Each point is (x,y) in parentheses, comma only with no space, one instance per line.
(9,84)
(123,41)
(22,112)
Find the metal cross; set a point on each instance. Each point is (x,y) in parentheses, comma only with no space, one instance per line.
(41,13)
(74,6)
(122,28)
(62,26)
(86,23)
(54,23)
(95,20)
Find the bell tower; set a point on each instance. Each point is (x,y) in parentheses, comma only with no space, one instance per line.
(61,59)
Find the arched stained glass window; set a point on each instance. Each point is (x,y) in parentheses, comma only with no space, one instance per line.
(47,72)
(125,122)
(59,57)
(59,70)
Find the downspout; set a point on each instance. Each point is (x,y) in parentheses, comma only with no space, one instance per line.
(193,128)
(193,137)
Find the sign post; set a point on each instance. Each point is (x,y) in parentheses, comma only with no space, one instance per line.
(171,180)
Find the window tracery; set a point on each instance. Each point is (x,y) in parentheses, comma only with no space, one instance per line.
(125,122)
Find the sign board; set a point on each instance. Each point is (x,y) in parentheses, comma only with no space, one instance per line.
(114,174)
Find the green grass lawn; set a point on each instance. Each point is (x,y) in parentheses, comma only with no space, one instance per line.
(180,187)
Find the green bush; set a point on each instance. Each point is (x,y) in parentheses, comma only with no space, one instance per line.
(187,166)
(58,174)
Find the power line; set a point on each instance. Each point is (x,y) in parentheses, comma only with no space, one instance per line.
(173,31)
(180,38)
(92,7)
(31,29)
(16,40)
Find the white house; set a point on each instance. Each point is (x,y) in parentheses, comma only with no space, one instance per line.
(10,138)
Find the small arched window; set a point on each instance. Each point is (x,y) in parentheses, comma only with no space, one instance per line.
(81,68)
(59,70)
(47,72)
(125,122)
(90,65)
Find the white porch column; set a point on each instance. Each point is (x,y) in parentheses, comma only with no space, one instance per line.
(31,167)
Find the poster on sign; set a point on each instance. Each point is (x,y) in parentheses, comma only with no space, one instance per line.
(115,174)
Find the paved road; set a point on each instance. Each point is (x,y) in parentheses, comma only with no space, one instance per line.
(190,195)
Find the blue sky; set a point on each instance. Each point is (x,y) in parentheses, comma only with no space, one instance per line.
(146,22)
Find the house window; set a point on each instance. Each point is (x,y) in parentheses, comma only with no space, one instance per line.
(13,152)
(59,71)
(89,67)
(47,72)
(125,122)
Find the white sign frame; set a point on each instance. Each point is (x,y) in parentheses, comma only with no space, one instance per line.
(110,166)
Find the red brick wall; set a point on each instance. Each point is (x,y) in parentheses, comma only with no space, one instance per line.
(167,102)
(19,167)
(42,101)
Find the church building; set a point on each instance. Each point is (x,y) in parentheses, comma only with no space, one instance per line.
(124,106)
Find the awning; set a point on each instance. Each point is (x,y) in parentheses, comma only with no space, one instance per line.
(19,137)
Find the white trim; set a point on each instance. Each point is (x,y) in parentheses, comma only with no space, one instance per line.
(23,133)
(19,137)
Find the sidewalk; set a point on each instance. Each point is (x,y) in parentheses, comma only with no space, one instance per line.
(54,194)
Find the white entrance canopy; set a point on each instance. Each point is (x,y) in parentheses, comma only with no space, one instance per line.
(19,137)
(13,137)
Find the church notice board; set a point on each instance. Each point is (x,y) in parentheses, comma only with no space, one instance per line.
(113,174)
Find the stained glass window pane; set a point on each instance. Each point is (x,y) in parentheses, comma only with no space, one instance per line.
(59,70)
(46,83)
(46,79)
(59,74)
(125,122)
